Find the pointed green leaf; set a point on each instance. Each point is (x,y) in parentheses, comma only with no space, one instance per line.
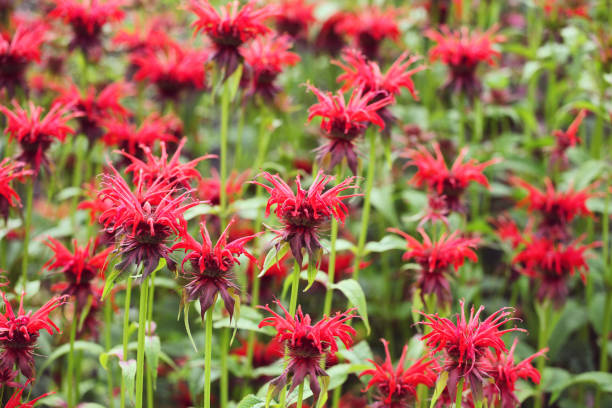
(251,401)
(152,351)
(312,274)
(110,280)
(440,386)
(128,372)
(234,82)
(353,292)
(273,257)
(187,328)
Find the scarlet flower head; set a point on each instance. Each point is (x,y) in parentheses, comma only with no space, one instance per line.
(19,333)
(173,69)
(9,171)
(330,38)
(436,260)
(265,58)
(550,264)
(505,373)
(209,189)
(96,107)
(172,171)
(557,208)
(566,139)
(294,18)
(507,230)
(15,400)
(17,52)
(35,131)
(433,172)
(211,267)
(151,35)
(307,344)
(397,387)
(127,136)
(231,27)
(79,267)
(144,220)
(304,212)
(462,51)
(370,26)
(465,344)
(87,18)
(343,122)
(566,8)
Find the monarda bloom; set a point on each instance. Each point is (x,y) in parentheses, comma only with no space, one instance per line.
(304,213)
(211,267)
(556,208)
(209,189)
(173,69)
(15,400)
(562,9)
(265,57)
(462,51)
(19,333)
(35,131)
(230,28)
(566,139)
(465,344)
(87,18)
(294,18)
(397,387)
(17,52)
(330,38)
(450,184)
(550,265)
(79,267)
(437,260)
(505,373)
(10,170)
(307,344)
(96,107)
(129,137)
(369,27)
(344,121)
(150,35)
(156,169)
(143,221)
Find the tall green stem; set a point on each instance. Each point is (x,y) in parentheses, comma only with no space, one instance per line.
(208,355)
(151,297)
(459,396)
(365,217)
(605,330)
(225,99)
(142,323)
(295,284)
(107,346)
(26,234)
(300,395)
(126,334)
(544,316)
(224,380)
(70,373)
(331,270)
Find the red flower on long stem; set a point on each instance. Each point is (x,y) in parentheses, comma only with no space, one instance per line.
(449,183)
(369,27)
(330,38)
(151,35)
(462,51)
(19,333)
(294,18)
(15,400)
(9,171)
(307,344)
(265,57)
(231,27)
(35,131)
(17,52)
(87,18)
(79,267)
(505,373)
(566,139)
(129,137)
(437,258)
(304,212)
(211,267)
(344,121)
(465,344)
(397,387)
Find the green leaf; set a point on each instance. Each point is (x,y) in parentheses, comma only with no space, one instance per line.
(353,292)
(187,328)
(311,273)
(234,82)
(602,380)
(251,401)
(128,372)
(440,386)
(387,243)
(88,346)
(152,350)
(110,280)
(273,257)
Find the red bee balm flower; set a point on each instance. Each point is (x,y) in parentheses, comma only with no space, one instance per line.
(128,137)
(307,344)
(566,139)
(343,122)
(15,400)
(10,170)
(19,333)
(79,267)
(449,183)
(143,221)
(397,386)
(462,51)
(230,28)
(436,258)
(566,8)
(265,57)
(35,132)
(87,17)
(330,38)
(370,27)
(550,264)
(505,373)
(294,18)
(465,345)
(209,189)
(212,267)
(304,212)
(17,52)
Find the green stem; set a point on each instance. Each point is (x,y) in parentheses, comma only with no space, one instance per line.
(126,334)
(300,395)
(26,235)
(331,271)
(208,355)
(151,297)
(224,380)
(77,175)
(544,330)
(336,397)
(365,217)
(142,323)
(459,396)
(225,99)
(295,284)
(254,302)
(108,345)
(70,373)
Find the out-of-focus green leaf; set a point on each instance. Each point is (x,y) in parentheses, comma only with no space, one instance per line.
(353,292)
